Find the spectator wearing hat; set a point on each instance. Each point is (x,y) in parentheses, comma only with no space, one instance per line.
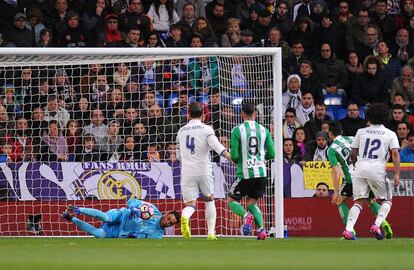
(282,20)
(316,150)
(35,22)
(74,35)
(111,31)
(262,26)
(133,39)
(93,20)
(135,16)
(246,39)
(19,35)
(291,98)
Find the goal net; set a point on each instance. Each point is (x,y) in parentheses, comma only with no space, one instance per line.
(95,127)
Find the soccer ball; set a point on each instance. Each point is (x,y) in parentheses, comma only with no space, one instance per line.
(147,211)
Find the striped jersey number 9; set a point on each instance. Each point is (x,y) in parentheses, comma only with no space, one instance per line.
(189,143)
(253,146)
(370,147)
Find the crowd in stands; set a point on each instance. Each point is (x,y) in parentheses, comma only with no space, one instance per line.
(338,58)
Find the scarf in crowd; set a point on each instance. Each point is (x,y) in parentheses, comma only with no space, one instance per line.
(320,154)
(303,115)
(294,98)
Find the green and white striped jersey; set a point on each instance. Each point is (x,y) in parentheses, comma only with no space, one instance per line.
(251,144)
(340,153)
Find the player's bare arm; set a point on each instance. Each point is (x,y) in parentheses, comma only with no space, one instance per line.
(396,162)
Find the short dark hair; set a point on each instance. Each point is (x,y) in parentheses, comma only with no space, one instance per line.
(397,107)
(322,184)
(377,114)
(195,109)
(176,215)
(399,95)
(336,128)
(248,108)
(411,133)
(290,110)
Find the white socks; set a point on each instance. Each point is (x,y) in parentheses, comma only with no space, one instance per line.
(383,213)
(211,215)
(353,217)
(187,212)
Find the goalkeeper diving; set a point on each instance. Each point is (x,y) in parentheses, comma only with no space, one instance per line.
(139,220)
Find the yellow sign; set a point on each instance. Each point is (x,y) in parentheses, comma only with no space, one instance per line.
(315,172)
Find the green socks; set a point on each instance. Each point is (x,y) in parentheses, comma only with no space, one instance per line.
(237,208)
(343,212)
(375,208)
(257,214)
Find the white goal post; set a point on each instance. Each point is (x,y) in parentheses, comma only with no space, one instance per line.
(19,193)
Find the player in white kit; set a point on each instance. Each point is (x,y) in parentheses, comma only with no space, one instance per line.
(370,154)
(194,141)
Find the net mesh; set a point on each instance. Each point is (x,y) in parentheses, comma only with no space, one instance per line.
(96,130)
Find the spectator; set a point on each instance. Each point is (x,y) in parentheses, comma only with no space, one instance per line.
(274,39)
(246,39)
(6,124)
(282,20)
(19,35)
(97,128)
(86,152)
(53,146)
(5,152)
(122,75)
(114,108)
(12,107)
(82,112)
(331,72)
(176,38)
(203,74)
(232,35)
(306,109)
(229,8)
(63,88)
(133,39)
(309,82)
(328,33)
(153,41)
(163,15)
(128,151)
(290,124)
(111,32)
(390,66)
(203,28)
(317,150)
(403,129)
(369,87)
(35,23)
(253,17)
(187,19)
(322,190)
(291,98)
(152,153)
(199,8)
(369,44)
(397,116)
(303,31)
(135,17)
(131,116)
(74,35)
(141,137)
(149,75)
(401,48)
(404,85)
(196,41)
(171,153)
(407,153)
(46,39)
(354,68)
(54,112)
(22,144)
(99,90)
(90,77)
(290,154)
(356,31)
(112,142)
(217,19)
(383,21)
(262,26)
(94,21)
(407,12)
(301,9)
(300,141)
(313,126)
(292,61)
(73,134)
(58,21)
(38,125)
(352,122)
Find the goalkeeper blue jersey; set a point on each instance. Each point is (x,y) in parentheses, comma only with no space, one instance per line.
(147,228)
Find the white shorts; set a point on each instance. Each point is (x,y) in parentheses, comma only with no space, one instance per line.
(380,187)
(193,185)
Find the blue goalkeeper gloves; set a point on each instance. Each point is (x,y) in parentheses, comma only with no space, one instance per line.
(135,212)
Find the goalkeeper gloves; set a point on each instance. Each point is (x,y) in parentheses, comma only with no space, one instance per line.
(135,212)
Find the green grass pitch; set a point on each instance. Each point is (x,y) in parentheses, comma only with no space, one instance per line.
(198,253)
